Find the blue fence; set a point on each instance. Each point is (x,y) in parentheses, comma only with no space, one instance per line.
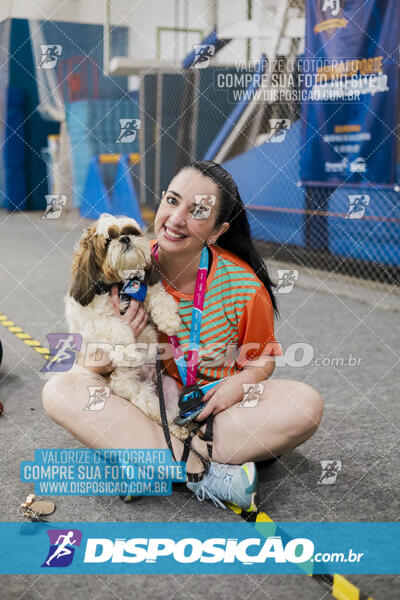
(321,219)
(94,128)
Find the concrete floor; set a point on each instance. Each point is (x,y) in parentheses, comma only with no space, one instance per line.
(360,427)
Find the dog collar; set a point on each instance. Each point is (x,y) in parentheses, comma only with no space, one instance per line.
(134,288)
(105,288)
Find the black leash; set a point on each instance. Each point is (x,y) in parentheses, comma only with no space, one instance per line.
(207,436)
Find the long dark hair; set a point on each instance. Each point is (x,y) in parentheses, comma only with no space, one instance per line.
(232,210)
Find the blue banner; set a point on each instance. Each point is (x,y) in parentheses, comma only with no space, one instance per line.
(199,548)
(349,78)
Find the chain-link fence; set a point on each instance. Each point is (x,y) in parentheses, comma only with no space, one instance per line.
(336,230)
(182,112)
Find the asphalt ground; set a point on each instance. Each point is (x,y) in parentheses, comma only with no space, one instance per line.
(360,427)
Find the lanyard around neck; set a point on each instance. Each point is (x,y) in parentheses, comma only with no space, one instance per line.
(188,373)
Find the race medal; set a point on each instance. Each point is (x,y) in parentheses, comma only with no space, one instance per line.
(42,507)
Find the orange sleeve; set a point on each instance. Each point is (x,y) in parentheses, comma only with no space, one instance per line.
(256,329)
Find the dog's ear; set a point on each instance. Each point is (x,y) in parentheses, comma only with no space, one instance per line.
(85,271)
(152,274)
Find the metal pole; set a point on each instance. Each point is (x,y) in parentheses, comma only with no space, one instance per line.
(215,11)
(176,25)
(106,38)
(249,16)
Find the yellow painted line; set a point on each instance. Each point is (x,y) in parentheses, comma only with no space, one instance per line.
(24,337)
(343,589)
(41,350)
(262,517)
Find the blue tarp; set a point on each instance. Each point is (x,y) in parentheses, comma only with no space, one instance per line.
(267,176)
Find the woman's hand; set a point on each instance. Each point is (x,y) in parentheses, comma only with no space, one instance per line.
(222,396)
(230,391)
(135,315)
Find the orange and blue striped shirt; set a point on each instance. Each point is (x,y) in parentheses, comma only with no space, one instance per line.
(237,324)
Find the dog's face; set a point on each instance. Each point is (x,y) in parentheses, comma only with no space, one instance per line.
(107,249)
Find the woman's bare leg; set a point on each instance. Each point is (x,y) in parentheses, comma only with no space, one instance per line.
(287,414)
(118,425)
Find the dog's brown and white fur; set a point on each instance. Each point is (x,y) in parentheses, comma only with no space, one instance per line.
(107,249)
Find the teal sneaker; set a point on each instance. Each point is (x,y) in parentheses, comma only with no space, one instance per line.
(236,484)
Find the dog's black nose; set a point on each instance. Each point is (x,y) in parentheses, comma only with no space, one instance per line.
(125,239)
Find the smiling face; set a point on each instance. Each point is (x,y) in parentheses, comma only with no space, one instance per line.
(187,215)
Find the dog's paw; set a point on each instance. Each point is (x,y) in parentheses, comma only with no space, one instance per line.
(164,311)
(170,322)
(171,325)
(167,322)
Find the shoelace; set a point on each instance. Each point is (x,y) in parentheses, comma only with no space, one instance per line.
(222,484)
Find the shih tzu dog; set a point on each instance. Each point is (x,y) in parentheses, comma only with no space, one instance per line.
(113,251)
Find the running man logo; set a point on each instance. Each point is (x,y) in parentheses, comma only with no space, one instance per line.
(286,280)
(62,547)
(358,165)
(278,129)
(97,397)
(63,347)
(331,13)
(203,206)
(357,206)
(330,470)
(129,129)
(55,204)
(252,393)
(203,53)
(49,55)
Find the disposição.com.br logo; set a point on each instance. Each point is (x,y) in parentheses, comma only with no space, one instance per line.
(62,547)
